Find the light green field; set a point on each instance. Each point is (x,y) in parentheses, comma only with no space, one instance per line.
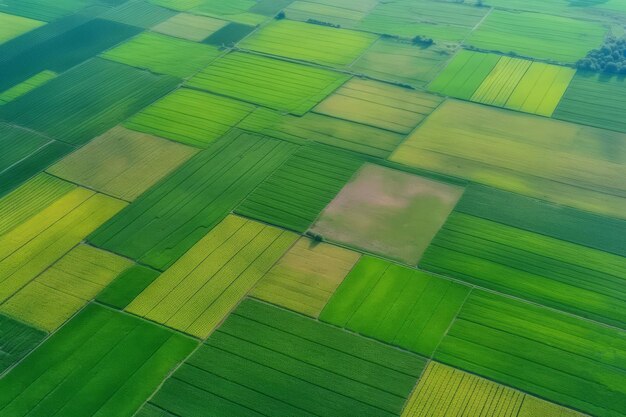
(189,26)
(26,86)
(232,10)
(584,9)
(464,74)
(346,14)
(306,276)
(379,105)
(164,54)
(198,291)
(581,167)
(61,290)
(309,42)
(122,163)
(536,35)
(182,116)
(273,83)
(12,26)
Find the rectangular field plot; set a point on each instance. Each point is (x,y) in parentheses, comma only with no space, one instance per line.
(190,117)
(42,9)
(400,61)
(594,100)
(331,131)
(573,165)
(189,26)
(163,54)
(309,42)
(126,286)
(201,288)
(444,391)
(265,361)
(409,210)
(537,35)
(18,144)
(16,340)
(280,85)
(540,351)
(299,190)
(409,18)
(35,244)
(122,163)
(306,276)
(345,14)
(464,74)
(140,13)
(379,105)
(102,363)
(552,272)
(64,288)
(233,10)
(397,305)
(229,35)
(12,26)
(26,86)
(166,221)
(87,100)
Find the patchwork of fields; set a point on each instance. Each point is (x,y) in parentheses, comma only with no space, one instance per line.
(316,208)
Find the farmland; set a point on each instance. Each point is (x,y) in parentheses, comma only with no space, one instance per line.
(26,86)
(347,14)
(200,289)
(16,340)
(13,26)
(190,27)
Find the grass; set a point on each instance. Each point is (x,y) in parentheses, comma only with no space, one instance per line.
(379,105)
(535,35)
(201,288)
(543,352)
(122,163)
(529,265)
(516,152)
(268,361)
(26,86)
(162,224)
(163,54)
(294,196)
(276,84)
(191,117)
(309,42)
(595,100)
(87,100)
(38,242)
(64,288)
(16,341)
(12,26)
(126,286)
(78,370)
(189,26)
(400,61)
(409,210)
(323,129)
(305,278)
(397,305)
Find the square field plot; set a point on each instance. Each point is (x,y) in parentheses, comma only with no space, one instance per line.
(13,26)
(280,85)
(388,212)
(565,163)
(535,35)
(189,26)
(309,42)
(122,163)
(266,361)
(102,363)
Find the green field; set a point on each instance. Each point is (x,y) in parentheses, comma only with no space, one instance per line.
(12,26)
(268,361)
(540,351)
(140,13)
(190,27)
(394,304)
(16,341)
(295,195)
(78,370)
(276,84)
(122,163)
(517,152)
(346,14)
(309,42)
(26,86)
(126,286)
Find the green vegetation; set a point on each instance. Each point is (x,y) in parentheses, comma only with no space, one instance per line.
(233,10)
(544,352)
(190,27)
(309,42)
(401,306)
(122,163)
(157,229)
(306,276)
(346,14)
(12,26)
(201,288)
(409,212)
(26,86)
(379,105)
(44,10)
(610,58)
(229,35)
(128,285)
(277,84)
(16,340)
(138,13)
(464,74)
(268,361)
(517,152)
(182,116)
(294,196)
(78,370)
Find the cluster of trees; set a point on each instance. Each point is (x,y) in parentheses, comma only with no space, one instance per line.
(610,58)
